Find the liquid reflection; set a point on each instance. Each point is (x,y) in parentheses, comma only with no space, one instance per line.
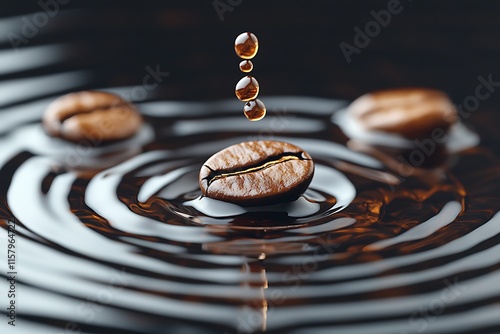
(363,245)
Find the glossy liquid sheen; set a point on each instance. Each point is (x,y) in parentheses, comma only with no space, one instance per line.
(364,246)
(254,110)
(246,66)
(247,88)
(246,46)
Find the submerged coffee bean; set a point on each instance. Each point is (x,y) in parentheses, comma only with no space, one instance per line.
(257,173)
(409,112)
(91,116)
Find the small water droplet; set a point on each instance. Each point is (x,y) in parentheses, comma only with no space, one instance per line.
(246,66)
(255,110)
(247,88)
(246,45)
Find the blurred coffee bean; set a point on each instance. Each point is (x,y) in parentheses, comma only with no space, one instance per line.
(91,117)
(409,112)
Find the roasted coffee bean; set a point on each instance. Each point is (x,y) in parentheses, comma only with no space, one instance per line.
(93,117)
(257,173)
(409,112)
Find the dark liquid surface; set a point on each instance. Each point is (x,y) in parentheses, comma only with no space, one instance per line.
(121,234)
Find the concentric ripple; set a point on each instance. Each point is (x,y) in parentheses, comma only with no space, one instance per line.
(119,236)
(117,239)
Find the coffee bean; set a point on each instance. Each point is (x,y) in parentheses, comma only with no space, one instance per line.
(93,117)
(257,173)
(409,112)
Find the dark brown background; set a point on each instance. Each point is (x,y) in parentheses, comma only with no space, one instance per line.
(440,44)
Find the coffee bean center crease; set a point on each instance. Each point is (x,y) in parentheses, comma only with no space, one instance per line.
(270,162)
(93,111)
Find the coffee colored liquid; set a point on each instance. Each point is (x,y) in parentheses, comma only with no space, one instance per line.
(246,45)
(247,88)
(246,66)
(116,239)
(360,237)
(255,110)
